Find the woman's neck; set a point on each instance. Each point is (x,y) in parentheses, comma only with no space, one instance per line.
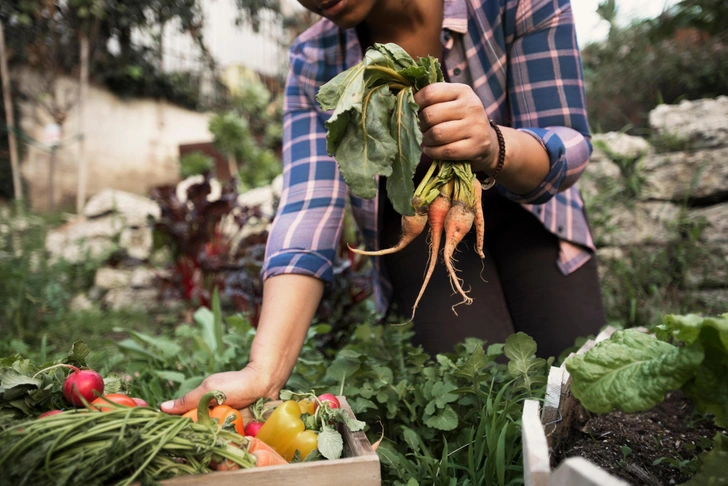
(414,25)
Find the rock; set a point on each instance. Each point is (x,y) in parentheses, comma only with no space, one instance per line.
(717,299)
(81,239)
(260,196)
(646,223)
(137,242)
(133,209)
(710,271)
(81,303)
(111,278)
(702,123)
(142,277)
(621,145)
(715,223)
(674,177)
(131,299)
(599,178)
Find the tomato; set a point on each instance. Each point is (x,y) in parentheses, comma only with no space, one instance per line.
(102,403)
(330,399)
(307,406)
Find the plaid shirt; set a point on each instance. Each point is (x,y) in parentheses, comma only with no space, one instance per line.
(520,57)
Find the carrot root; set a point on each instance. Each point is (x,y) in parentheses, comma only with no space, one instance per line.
(479,220)
(412,226)
(458,222)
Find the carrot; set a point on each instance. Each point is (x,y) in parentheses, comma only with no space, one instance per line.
(479,218)
(436,216)
(268,458)
(255,444)
(412,226)
(458,222)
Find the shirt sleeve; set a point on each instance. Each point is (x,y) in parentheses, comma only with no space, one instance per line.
(309,218)
(546,93)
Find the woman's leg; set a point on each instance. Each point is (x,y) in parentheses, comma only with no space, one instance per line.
(552,308)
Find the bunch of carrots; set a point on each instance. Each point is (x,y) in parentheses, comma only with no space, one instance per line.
(374,117)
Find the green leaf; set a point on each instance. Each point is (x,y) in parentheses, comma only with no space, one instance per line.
(520,349)
(367,149)
(330,443)
(631,371)
(445,419)
(477,361)
(189,384)
(14,385)
(408,138)
(211,324)
(441,392)
(688,328)
(166,347)
(341,369)
(173,376)
(79,352)
(712,464)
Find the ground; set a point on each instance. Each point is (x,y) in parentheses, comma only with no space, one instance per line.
(672,434)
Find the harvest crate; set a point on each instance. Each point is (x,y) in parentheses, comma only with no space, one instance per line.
(359,466)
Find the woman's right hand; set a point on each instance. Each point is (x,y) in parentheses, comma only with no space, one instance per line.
(240,387)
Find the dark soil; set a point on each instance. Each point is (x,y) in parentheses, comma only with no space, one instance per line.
(671,430)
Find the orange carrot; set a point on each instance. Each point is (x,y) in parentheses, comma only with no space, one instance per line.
(268,458)
(479,218)
(458,222)
(255,444)
(436,216)
(412,226)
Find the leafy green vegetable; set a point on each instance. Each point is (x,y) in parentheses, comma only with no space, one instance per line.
(374,130)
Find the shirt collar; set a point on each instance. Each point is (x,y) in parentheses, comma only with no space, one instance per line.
(455,16)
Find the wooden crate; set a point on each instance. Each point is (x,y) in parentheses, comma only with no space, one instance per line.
(361,467)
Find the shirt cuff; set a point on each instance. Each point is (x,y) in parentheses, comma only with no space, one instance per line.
(300,262)
(556,151)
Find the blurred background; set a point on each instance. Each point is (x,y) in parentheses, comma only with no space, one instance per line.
(140,147)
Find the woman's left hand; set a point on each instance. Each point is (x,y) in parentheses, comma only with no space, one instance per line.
(455,127)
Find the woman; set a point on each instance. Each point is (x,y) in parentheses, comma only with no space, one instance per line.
(513,62)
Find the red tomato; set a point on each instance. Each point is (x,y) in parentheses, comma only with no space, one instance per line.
(328,398)
(102,403)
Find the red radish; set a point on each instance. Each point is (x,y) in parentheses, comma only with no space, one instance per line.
(49,413)
(252,428)
(327,398)
(86,384)
(140,402)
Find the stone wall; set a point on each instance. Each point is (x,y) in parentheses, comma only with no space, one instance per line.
(666,200)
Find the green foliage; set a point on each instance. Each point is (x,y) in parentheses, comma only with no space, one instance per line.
(373,130)
(679,55)
(195,163)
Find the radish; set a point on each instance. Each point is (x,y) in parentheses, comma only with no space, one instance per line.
(80,385)
(140,402)
(86,384)
(252,428)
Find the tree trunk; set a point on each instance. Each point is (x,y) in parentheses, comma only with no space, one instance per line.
(82,163)
(10,120)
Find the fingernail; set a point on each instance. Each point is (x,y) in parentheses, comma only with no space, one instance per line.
(167,405)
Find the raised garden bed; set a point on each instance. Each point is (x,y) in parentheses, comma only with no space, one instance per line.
(565,445)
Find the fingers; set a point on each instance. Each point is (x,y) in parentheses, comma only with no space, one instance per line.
(185,403)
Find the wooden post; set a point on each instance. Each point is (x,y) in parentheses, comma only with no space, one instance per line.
(82,163)
(10,119)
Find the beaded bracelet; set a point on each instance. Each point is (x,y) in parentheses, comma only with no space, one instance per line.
(490,180)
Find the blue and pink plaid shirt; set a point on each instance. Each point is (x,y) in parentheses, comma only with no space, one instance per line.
(520,57)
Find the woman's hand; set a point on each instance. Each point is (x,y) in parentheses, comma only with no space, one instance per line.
(455,127)
(240,387)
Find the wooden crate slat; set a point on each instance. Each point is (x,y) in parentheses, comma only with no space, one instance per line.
(577,471)
(536,467)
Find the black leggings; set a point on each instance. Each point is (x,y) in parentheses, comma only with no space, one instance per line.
(518,288)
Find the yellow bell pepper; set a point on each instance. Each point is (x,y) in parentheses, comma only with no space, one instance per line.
(285,432)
